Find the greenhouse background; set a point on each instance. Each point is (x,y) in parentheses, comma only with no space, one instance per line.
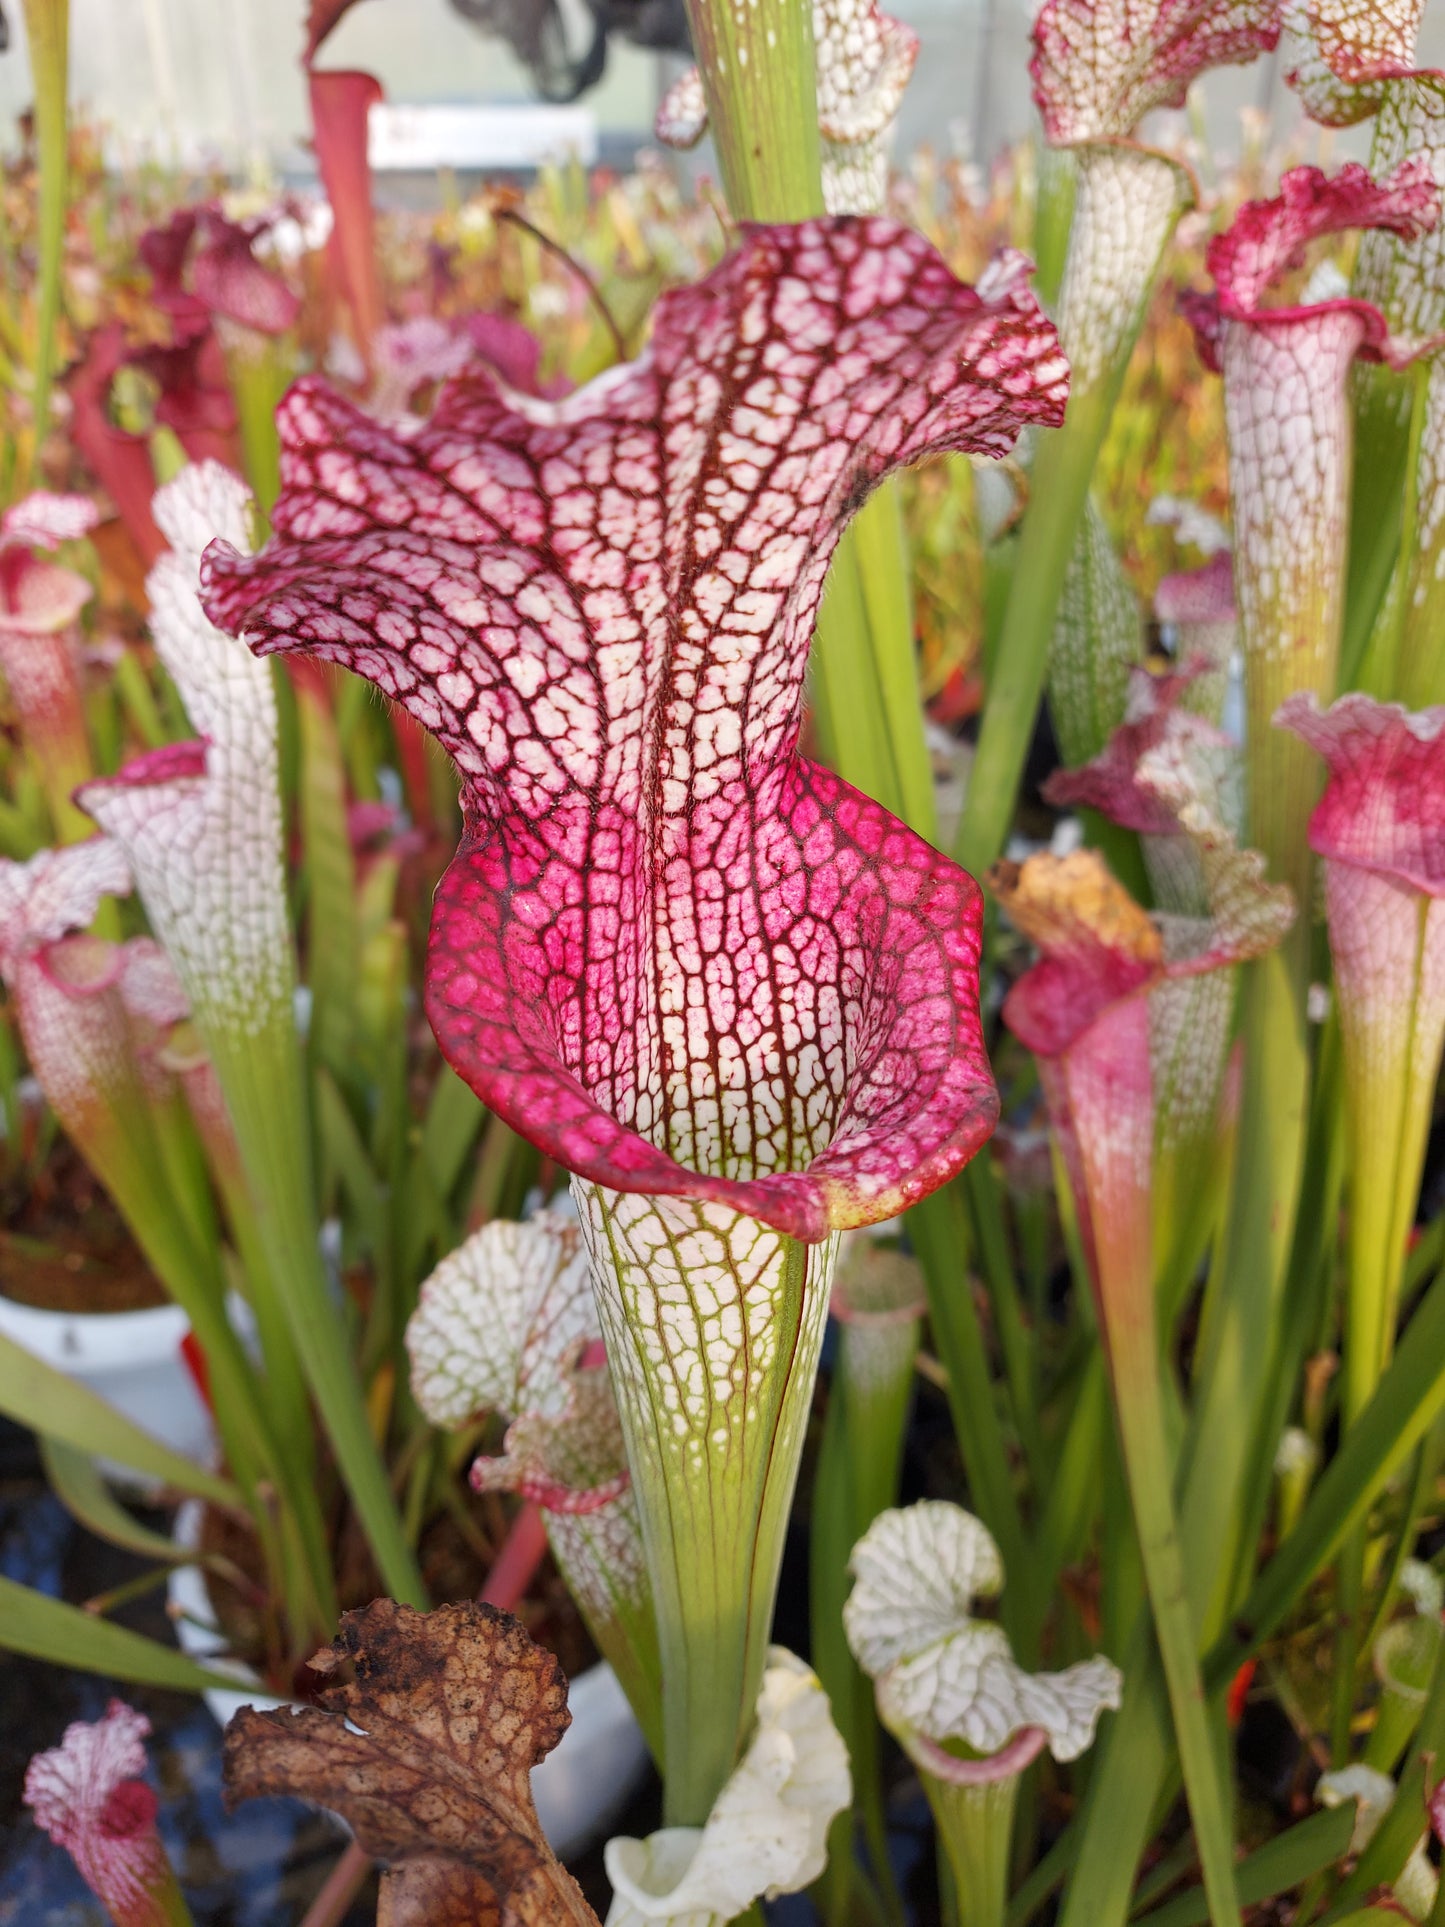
(199,82)
(722,963)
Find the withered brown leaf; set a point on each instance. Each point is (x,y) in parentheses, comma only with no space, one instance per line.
(428,1754)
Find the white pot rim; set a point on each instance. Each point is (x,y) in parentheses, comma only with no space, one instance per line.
(86,1341)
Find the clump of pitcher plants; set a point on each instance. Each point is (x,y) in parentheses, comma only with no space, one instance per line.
(725,1032)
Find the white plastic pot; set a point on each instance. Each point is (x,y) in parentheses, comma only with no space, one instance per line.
(132,1359)
(580,1787)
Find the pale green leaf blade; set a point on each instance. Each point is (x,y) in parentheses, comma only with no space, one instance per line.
(36,1394)
(44,1628)
(86,1497)
(1282,1863)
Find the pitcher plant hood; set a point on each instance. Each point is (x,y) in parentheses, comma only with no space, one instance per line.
(1099,66)
(674,954)
(942,1673)
(88,1796)
(1267,240)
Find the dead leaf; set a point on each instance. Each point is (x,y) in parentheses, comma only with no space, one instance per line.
(1063,901)
(428,1755)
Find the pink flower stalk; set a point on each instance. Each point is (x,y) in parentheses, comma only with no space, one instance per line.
(88,1796)
(1286,373)
(1098,68)
(865,59)
(1380,828)
(340,105)
(734,997)
(40,605)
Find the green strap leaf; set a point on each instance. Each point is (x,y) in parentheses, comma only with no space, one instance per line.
(454,1119)
(1406,1403)
(48,1401)
(86,1496)
(1284,1862)
(334,938)
(44,1628)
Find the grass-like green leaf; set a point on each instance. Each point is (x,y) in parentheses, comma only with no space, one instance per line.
(36,1394)
(1407,1400)
(86,1496)
(44,1628)
(1280,1864)
(333,935)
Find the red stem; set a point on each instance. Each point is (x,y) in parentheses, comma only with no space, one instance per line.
(516,1564)
(343,1884)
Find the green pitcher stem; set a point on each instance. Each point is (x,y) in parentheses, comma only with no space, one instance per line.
(259,372)
(1127,1315)
(1056,177)
(616,1604)
(1058,490)
(131,1170)
(1099,324)
(757,66)
(58,743)
(1381,425)
(1244,1307)
(846,700)
(164,1906)
(1418,592)
(1388,1116)
(880,542)
(857,1477)
(833,1532)
(975,1826)
(713,1326)
(260,1073)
